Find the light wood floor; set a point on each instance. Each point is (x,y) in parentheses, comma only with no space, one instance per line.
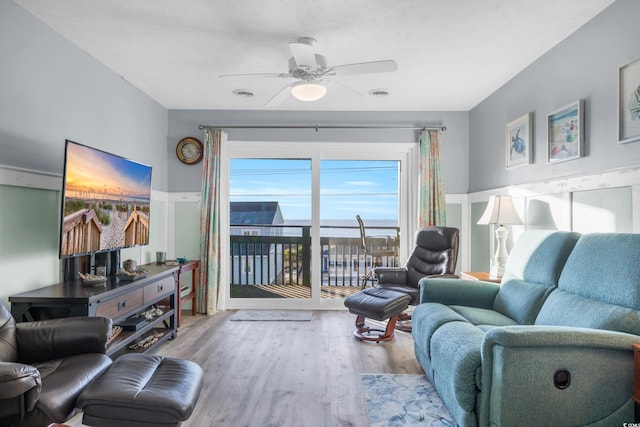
(284,373)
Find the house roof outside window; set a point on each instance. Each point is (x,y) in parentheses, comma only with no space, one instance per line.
(256,213)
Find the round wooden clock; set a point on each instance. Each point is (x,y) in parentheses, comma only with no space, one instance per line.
(189,150)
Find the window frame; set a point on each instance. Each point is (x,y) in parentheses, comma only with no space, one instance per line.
(407,155)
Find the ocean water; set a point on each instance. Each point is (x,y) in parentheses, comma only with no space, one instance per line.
(348,227)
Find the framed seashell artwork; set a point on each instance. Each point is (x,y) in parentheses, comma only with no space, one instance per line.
(629,102)
(565,135)
(519,142)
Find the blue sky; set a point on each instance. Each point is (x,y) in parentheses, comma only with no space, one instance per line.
(91,173)
(347,187)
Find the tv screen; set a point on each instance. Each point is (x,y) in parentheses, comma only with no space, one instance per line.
(105,202)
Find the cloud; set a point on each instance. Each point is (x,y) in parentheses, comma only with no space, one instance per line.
(362,183)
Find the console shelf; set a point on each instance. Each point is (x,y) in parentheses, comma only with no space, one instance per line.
(126,338)
(116,299)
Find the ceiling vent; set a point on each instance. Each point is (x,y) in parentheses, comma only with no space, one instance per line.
(243,93)
(379,92)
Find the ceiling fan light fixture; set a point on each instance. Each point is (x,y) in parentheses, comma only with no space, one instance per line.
(308,91)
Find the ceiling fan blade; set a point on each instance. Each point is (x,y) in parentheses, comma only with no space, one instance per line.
(385,66)
(284,93)
(339,83)
(281,75)
(304,54)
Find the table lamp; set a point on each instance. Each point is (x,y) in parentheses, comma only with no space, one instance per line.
(500,211)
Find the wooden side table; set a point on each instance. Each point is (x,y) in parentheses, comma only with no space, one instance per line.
(478,275)
(636,381)
(195,279)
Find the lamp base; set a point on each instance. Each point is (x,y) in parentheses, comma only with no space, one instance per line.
(497,271)
(500,258)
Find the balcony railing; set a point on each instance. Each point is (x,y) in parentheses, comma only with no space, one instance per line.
(281,255)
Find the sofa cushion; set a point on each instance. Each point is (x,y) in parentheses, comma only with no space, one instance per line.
(436,252)
(377,303)
(599,286)
(483,316)
(52,339)
(532,272)
(600,259)
(143,390)
(8,341)
(521,300)
(566,309)
(426,319)
(457,368)
(64,379)
(413,293)
(539,256)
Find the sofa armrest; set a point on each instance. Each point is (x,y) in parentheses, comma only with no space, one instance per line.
(447,291)
(18,379)
(587,370)
(444,276)
(391,275)
(57,338)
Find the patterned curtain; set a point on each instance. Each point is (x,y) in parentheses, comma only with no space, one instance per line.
(210,278)
(432,210)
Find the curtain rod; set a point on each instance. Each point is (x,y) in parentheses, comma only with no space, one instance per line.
(317,127)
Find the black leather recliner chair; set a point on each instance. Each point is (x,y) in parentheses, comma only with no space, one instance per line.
(435,255)
(44,366)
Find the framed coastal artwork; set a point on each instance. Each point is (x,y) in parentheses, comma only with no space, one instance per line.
(565,130)
(629,102)
(519,140)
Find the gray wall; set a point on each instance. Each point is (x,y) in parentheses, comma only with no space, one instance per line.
(51,91)
(584,66)
(455,140)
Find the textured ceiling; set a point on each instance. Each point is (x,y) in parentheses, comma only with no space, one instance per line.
(451,54)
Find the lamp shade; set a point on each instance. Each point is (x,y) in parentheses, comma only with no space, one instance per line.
(308,91)
(500,210)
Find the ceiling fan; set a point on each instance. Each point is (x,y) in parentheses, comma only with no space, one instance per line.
(312,73)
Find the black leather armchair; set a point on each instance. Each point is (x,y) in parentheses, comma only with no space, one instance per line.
(435,255)
(45,365)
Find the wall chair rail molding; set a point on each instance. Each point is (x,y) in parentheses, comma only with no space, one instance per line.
(21,177)
(618,177)
(610,179)
(29,178)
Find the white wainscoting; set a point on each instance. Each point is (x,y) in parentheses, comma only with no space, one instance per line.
(560,195)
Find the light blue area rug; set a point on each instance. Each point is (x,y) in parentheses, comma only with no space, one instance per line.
(403,400)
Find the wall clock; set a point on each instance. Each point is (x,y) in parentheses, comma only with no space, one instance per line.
(189,150)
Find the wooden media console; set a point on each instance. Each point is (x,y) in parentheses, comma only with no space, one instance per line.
(123,301)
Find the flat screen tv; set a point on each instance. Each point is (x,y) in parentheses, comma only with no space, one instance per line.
(105,202)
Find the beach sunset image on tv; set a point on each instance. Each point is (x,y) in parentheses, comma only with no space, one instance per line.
(106,201)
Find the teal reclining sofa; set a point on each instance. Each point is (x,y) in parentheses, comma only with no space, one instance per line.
(550,346)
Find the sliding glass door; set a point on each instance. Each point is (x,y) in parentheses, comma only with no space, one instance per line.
(349,188)
(293,239)
(269,227)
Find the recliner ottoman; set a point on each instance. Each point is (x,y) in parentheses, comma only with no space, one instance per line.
(378,304)
(142,390)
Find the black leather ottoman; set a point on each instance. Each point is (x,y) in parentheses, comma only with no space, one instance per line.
(142,390)
(378,304)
